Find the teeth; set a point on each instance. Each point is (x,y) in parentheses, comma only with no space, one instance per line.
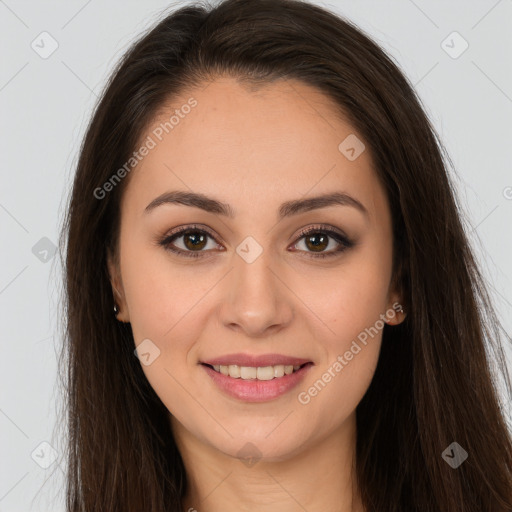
(252,372)
(234,371)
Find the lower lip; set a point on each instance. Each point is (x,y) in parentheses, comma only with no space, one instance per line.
(257,390)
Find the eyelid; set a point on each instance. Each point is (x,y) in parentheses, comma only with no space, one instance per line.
(321,227)
(165,241)
(344,242)
(301,233)
(333,232)
(193,227)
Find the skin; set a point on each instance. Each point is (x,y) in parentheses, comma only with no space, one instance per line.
(255,150)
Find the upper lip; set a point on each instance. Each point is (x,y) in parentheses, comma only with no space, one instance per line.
(253,360)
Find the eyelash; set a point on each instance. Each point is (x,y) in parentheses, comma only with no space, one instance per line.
(345,243)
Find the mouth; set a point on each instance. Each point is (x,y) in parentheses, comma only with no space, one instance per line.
(261,373)
(256,378)
(257,383)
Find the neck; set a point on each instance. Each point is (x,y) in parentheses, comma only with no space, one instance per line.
(319,477)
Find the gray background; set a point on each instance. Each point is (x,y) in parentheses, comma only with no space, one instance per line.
(46,104)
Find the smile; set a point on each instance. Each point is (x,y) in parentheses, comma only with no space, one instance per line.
(256,383)
(256,372)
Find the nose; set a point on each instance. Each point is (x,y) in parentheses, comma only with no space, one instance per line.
(257,300)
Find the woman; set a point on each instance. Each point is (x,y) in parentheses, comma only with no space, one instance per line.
(271,301)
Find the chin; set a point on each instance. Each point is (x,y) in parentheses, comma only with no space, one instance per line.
(260,447)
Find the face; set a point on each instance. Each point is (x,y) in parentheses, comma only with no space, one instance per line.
(269,279)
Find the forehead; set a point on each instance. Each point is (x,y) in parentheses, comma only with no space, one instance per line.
(282,140)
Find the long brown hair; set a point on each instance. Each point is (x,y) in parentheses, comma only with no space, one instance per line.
(434,381)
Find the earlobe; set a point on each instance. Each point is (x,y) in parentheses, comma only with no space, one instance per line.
(395,313)
(119,307)
(399,315)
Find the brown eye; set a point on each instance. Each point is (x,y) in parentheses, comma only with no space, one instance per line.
(318,239)
(194,240)
(317,242)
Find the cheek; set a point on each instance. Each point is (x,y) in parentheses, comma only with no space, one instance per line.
(350,303)
(159,293)
(349,298)
(164,302)
(351,347)
(168,304)
(333,393)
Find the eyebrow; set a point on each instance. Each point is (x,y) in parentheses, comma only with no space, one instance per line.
(287,209)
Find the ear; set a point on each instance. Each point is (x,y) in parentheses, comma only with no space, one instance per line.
(395,310)
(117,288)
